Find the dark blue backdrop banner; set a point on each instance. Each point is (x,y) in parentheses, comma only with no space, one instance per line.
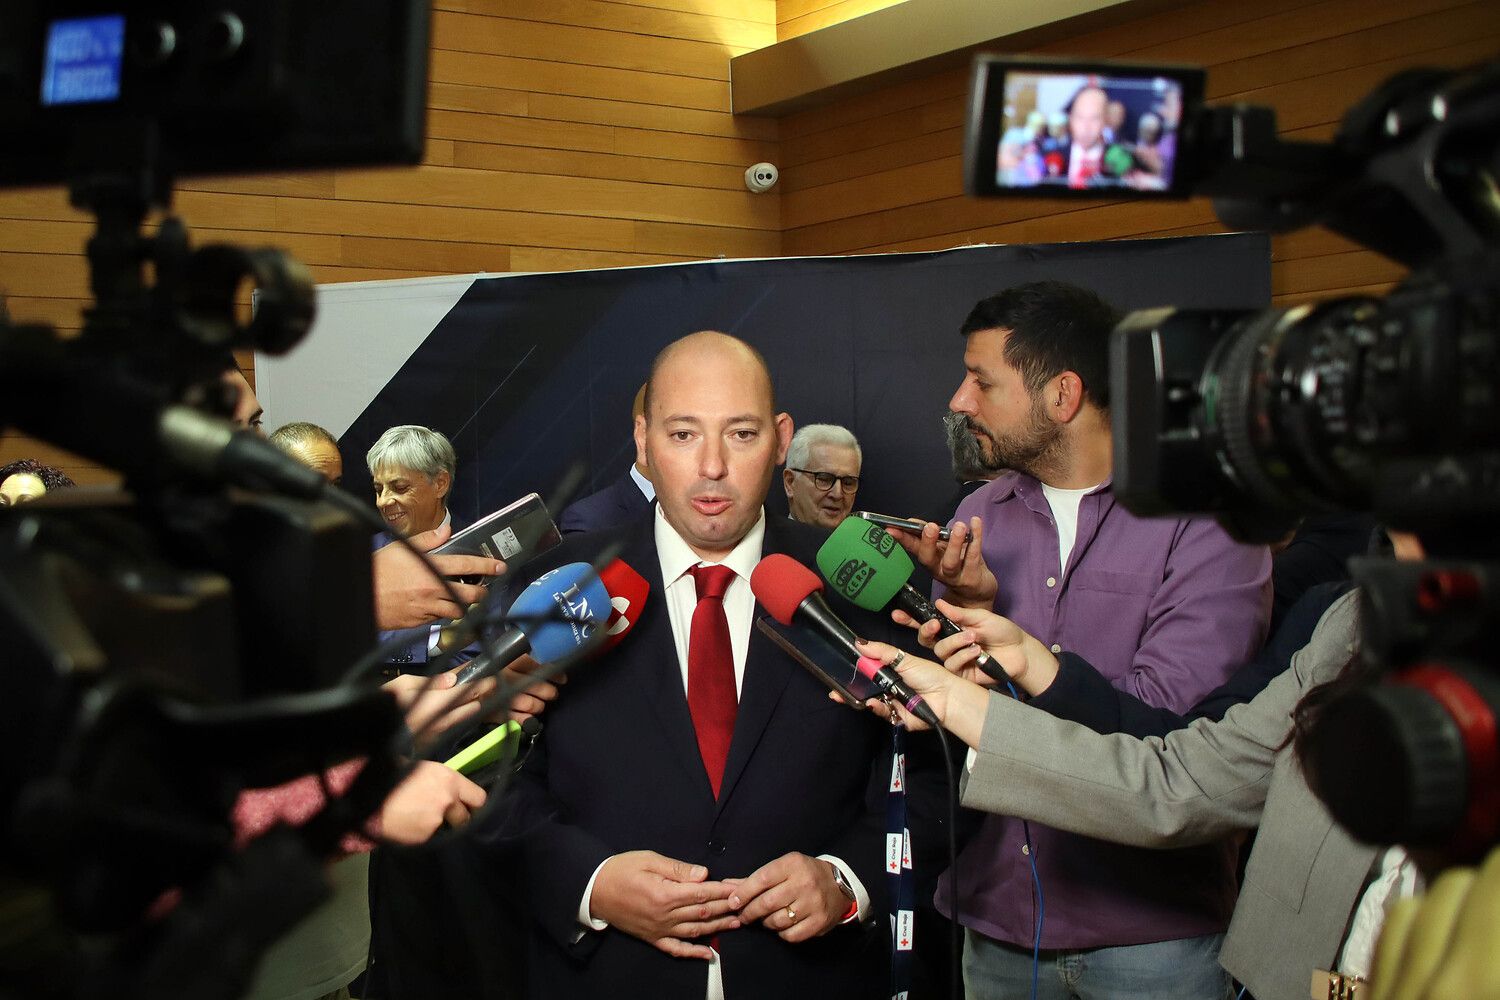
(529,374)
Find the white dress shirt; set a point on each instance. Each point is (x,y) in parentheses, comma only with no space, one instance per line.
(681,593)
(647,488)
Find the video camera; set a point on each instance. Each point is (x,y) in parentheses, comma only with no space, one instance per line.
(166,646)
(1386,404)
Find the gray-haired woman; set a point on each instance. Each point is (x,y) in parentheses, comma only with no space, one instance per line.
(413,471)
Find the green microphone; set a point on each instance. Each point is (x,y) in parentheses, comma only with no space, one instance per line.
(864,564)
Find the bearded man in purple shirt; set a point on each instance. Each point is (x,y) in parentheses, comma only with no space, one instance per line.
(1166,608)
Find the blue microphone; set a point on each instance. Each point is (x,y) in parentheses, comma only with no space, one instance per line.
(559,613)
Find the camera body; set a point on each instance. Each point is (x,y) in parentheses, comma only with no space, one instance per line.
(175,643)
(1385,404)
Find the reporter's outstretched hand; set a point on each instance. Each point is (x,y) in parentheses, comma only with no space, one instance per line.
(406,592)
(431,795)
(1022,656)
(435,704)
(958,563)
(959,704)
(534,699)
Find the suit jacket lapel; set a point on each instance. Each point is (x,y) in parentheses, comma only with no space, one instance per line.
(767,670)
(651,644)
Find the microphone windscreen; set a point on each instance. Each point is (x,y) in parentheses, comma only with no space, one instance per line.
(781,583)
(864,564)
(561,610)
(627,598)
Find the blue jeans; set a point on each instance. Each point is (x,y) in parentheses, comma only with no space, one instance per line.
(1165,970)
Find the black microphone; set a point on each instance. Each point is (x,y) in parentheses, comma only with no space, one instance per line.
(890,682)
(791,591)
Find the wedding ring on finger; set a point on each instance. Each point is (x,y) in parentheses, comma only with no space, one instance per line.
(791,915)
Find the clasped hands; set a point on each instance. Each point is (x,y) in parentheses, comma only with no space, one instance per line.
(668,903)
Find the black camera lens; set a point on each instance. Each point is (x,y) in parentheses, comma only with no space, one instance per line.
(1263,417)
(1415,761)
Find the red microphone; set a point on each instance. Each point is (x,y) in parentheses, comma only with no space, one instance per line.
(628,591)
(793,593)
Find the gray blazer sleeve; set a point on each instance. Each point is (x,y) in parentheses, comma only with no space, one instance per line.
(1191,787)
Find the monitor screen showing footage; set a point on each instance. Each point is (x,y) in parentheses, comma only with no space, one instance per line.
(1088,131)
(82,60)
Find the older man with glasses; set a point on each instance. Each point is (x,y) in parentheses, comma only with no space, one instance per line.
(821,474)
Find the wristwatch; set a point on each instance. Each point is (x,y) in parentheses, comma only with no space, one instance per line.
(852,913)
(842,882)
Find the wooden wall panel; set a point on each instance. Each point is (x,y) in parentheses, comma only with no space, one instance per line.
(597,133)
(798,17)
(881,172)
(562,134)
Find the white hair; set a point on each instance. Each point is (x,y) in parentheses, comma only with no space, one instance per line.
(409,446)
(815,434)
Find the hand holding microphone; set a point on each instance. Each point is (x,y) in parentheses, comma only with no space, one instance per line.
(793,593)
(957,563)
(955,704)
(977,636)
(863,563)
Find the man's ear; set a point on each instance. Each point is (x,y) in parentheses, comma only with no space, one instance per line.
(1065,397)
(784,431)
(640,442)
(787,477)
(442,482)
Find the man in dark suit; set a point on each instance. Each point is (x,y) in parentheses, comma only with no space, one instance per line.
(619,503)
(696,820)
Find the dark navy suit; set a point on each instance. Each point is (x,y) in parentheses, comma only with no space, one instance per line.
(618,769)
(617,504)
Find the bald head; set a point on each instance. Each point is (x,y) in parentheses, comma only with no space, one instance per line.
(711,439)
(708,347)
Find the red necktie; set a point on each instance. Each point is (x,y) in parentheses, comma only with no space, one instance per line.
(711,695)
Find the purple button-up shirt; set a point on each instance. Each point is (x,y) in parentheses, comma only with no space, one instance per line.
(1166,608)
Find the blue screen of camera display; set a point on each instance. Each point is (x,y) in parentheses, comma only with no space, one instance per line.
(83,58)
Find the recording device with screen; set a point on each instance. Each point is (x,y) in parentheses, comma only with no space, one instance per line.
(1384,403)
(144,629)
(905,524)
(1079,129)
(236,86)
(515,533)
(819,657)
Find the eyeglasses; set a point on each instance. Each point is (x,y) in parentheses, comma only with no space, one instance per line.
(824,480)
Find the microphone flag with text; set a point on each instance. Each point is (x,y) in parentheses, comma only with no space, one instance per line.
(556,615)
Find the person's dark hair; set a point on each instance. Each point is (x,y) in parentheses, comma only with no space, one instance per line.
(1054,327)
(51,477)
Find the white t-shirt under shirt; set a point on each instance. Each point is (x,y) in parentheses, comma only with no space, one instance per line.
(1064,504)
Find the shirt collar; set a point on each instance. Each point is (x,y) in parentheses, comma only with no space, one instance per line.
(645,485)
(676,558)
(1012,483)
